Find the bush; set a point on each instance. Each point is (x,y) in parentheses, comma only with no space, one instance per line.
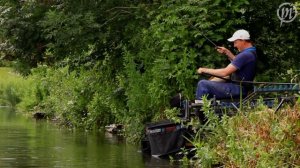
(259,138)
(78,98)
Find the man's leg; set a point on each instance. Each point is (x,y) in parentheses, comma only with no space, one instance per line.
(218,89)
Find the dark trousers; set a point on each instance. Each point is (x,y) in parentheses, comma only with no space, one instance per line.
(220,90)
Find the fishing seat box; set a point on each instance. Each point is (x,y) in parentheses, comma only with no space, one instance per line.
(165,137)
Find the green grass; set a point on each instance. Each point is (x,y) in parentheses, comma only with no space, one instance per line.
(11,87)
(259,138)
(8,76)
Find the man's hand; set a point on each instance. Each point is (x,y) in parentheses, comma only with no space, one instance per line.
(225,51)
(201,70)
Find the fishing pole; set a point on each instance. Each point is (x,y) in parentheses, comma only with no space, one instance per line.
(210,41)
(214,44)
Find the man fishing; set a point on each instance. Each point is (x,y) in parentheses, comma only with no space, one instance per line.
(241,68)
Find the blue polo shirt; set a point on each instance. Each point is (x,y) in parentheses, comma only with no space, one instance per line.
(245,62)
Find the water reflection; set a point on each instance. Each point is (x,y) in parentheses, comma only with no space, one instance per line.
(150,162)
(28,143)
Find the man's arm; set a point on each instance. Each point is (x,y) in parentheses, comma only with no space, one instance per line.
(227,52)
(218,72)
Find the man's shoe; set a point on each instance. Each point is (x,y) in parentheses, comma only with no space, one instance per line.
(198,103)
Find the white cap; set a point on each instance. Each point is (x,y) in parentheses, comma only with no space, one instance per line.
(240,35)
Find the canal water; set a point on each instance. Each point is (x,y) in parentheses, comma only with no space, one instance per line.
(25,142)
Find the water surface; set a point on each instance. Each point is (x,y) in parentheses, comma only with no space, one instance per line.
(25,142)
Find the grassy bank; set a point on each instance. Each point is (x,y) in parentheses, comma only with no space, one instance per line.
(256,138)
(9,76)
(11,87)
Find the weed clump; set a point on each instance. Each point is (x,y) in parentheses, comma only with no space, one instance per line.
(256,138)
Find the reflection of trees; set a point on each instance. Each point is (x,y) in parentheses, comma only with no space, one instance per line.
(14,147)
(18,147)
(25,143)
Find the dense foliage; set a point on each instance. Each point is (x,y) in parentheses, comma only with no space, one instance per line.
(92,63)
(260,138)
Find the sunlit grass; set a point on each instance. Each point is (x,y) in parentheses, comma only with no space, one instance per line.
(8,76)
(11,87)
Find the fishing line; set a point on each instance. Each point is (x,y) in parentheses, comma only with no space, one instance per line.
(210,40)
